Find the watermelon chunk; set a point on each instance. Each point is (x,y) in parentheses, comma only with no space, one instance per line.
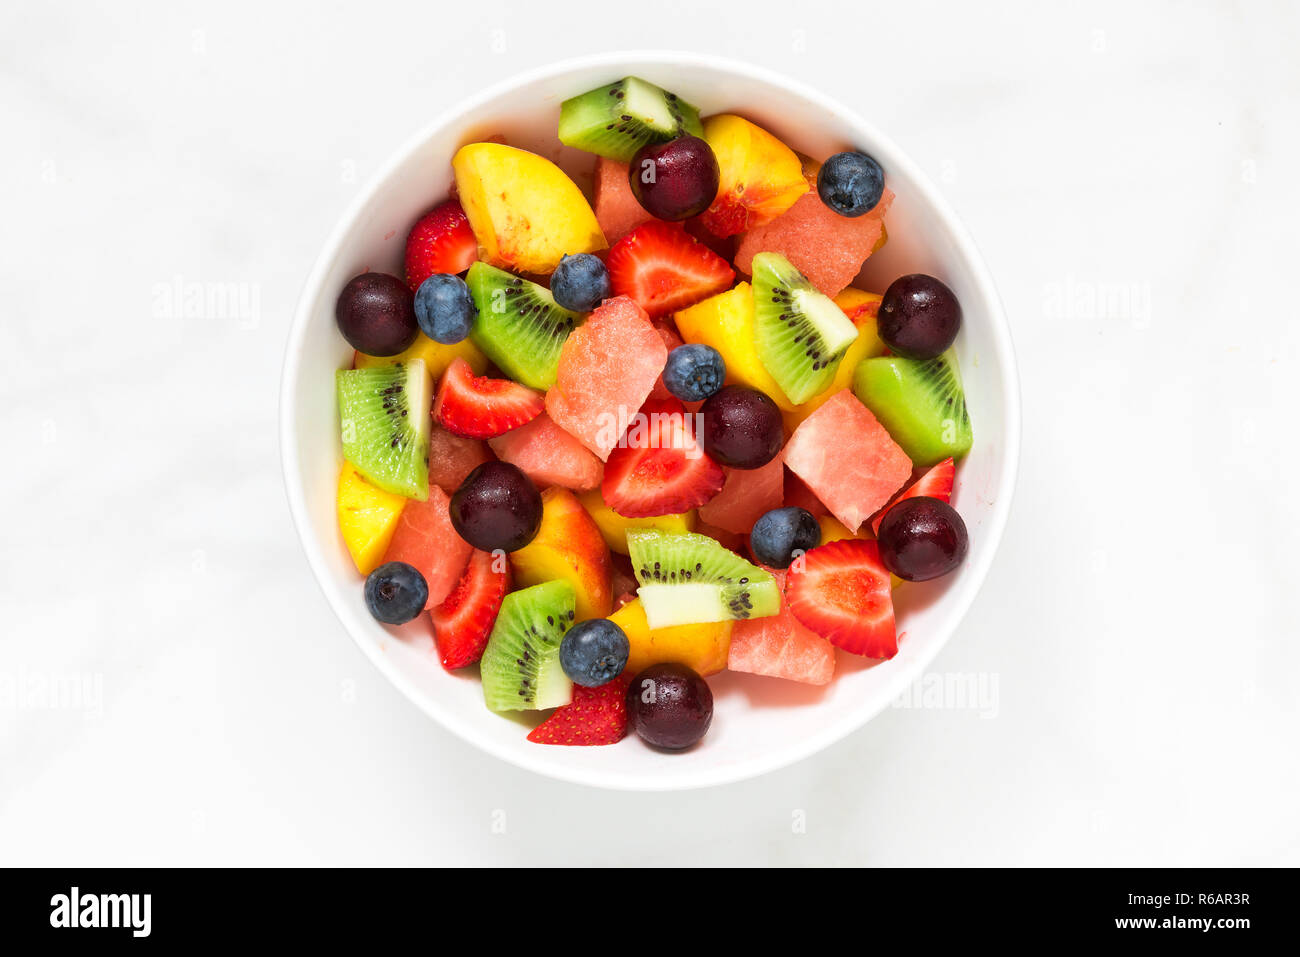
(747,494)
(847,459)
(780,647)
(452,458)
(426,540)
(617,210)
(728,540)
(607,369)
(549,455)
(799,495)
(823,245)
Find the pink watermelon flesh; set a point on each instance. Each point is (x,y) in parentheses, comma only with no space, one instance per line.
(747,494)
(823,245)
(426,540)
(451,458)
(726,539)
(616,208)
(608,367)
(780,647)
(549,456)
(799,495)
(671,341)
(847,459)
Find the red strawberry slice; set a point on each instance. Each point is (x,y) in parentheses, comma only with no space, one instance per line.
(663,268)
(476,407)
(441,242)
(841,591)
(659,468)
(462,623)
(936,483)
(595,716)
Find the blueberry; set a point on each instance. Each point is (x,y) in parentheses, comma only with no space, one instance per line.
(694,372)
(396,593)
(851,183)
(594,652)
(444,308)
(780,533)
(580,282)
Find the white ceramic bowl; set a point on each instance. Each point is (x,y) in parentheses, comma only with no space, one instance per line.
(759,723)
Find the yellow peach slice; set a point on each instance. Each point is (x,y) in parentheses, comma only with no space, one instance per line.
(726,322)
(525,212)
(700,647)
(367,518)
(435,355)
(614,526)
(759,176)
(568,546)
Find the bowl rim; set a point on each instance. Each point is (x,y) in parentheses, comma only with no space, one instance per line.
(624,62)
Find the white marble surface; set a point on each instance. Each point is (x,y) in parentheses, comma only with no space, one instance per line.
(1130,173)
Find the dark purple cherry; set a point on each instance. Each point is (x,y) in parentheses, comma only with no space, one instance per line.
(922,538)
(742,427)
(497,506)
(919,317)
(669,706)
(376,314)
(674,180)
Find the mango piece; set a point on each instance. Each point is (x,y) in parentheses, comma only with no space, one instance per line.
(525,212)
(884,238)
(861,307)
(726,322)
(701,647)
(614,526)
(568,546)
(834,531)
(759,176)
(435,355)
(367,518)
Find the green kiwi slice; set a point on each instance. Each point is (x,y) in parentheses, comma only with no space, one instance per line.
(385,423)
(687,579)
(920,403)
(519,325)
(802,335)
(521,664)
(617,120)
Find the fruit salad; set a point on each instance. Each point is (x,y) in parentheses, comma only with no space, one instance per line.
(603,447)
